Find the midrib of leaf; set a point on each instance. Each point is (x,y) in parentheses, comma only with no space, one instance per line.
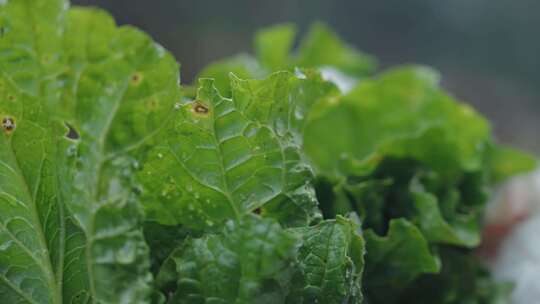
(47,268)
(102,159)
(197,180)
(226,191)
(281,148)
(101,142)
(259,125)
(327,247)
(89,270)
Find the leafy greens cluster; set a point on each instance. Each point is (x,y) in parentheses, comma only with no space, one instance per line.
(267,184)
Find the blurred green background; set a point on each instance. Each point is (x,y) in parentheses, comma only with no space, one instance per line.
(487,50)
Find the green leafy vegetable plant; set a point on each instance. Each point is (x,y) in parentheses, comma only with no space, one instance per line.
(264,182)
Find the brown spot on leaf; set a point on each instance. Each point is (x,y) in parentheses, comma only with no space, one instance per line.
(11,98)
(152,104)
(200,108)
(136,78)
(8,124)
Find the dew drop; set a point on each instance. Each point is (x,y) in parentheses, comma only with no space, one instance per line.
(160,155)
(71,151)
(189,187)
(281,127)
(184,156)
(299,114)
(299,73)
(5,246)
(177,106)
(250,130)
(110,90)
(209,223)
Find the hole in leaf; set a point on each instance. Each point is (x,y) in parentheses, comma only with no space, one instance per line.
(72,132)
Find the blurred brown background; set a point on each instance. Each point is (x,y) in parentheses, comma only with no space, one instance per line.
(487,50)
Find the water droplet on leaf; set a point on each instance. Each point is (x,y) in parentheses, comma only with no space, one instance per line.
(298,114)
(72,151)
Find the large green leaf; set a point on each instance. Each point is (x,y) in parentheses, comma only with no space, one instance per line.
(402,114)
(255,258)
(394,261)
(460,229)
(221,158)
(322,47)
(246,262)
(504,162)
(70,229)
(123,87)
(273,46)
(243,66)
(330,264)
(463,279)
(39,243)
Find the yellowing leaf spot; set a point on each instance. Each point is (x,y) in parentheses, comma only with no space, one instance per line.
(152,104)
(136,79)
